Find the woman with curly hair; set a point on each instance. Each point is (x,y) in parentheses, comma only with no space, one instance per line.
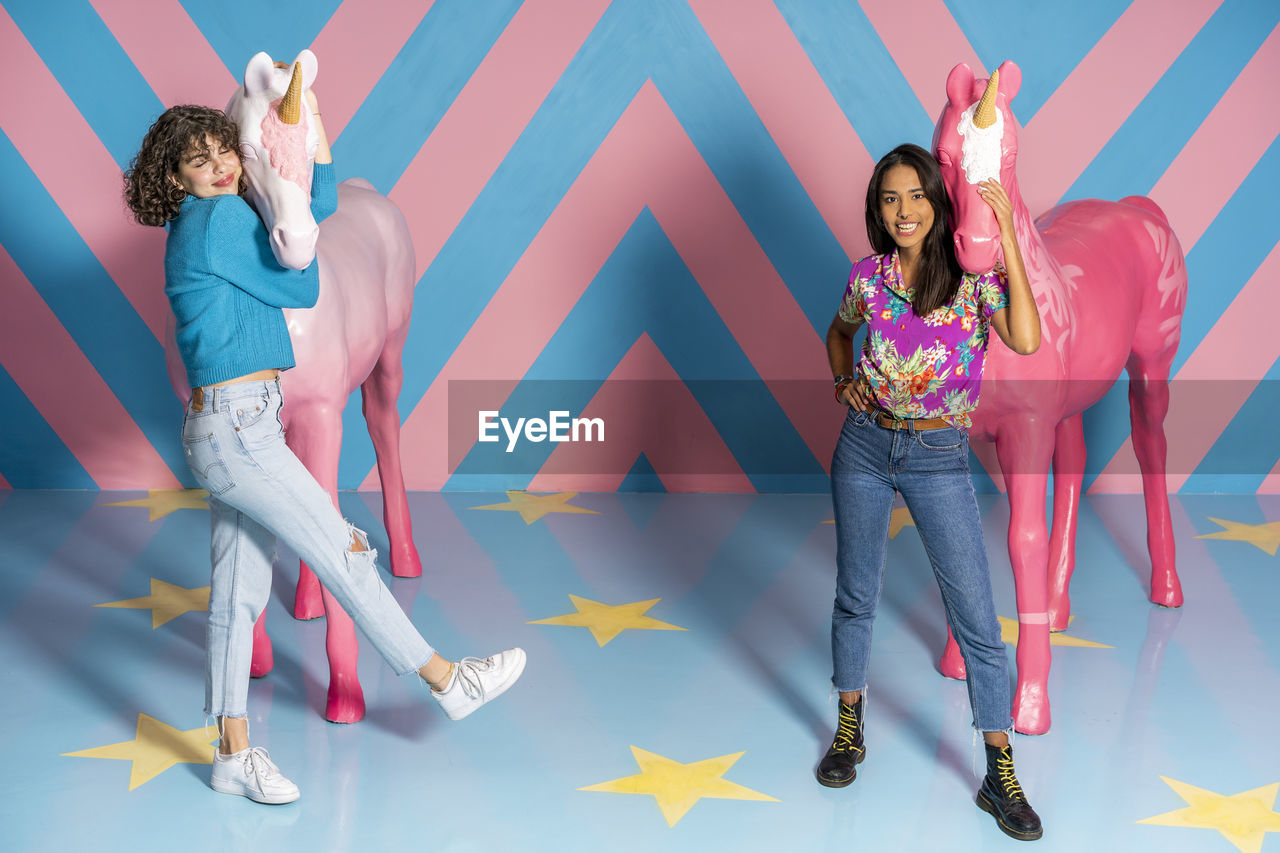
(227,293)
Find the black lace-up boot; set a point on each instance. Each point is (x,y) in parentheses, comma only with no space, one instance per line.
(839,766)
(1002,797)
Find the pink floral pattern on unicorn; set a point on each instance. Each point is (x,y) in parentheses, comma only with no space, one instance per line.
(1110,283)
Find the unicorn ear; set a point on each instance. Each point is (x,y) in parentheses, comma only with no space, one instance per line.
(259,74)
(309,67)
(1010,79)
(959,84)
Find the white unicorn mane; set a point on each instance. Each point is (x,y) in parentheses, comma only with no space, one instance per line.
(980,151)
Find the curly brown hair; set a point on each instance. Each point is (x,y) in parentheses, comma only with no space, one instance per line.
(148,190)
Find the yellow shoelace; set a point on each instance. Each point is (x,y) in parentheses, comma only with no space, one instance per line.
(1008,781)
(846,731)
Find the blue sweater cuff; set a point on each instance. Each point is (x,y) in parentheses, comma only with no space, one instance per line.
(324,191)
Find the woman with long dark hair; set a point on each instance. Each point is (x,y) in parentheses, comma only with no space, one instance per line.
(909,400)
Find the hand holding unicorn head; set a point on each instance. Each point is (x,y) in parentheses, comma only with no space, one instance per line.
(279,137)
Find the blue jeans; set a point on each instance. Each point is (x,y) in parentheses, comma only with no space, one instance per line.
(258,492)
(931,470)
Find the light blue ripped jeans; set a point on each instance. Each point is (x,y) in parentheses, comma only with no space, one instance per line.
(258,492)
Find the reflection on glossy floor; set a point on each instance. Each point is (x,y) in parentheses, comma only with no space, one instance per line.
(691,720)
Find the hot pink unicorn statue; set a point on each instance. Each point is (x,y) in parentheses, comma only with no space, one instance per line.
(353,336)
(1110,282)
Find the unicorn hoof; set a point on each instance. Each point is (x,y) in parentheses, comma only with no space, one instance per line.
(952,665)
(345,704)
(1031,709)
(405,562)
(1167,594)
(263,658)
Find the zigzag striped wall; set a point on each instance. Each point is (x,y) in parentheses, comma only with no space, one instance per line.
(638,188)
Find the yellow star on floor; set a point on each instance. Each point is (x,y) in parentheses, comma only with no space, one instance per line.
(678,787)
(1243,819)
(533,507)
(1009,634)
(155,748)
(606,621)
(1265,536)
(900,518)
(161,502)
(166,601)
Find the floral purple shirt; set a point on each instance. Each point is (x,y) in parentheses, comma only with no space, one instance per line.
(922,367)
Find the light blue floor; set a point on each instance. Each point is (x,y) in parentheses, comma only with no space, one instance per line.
(1187,694)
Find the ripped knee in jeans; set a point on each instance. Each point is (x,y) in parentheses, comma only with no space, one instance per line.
(359,539)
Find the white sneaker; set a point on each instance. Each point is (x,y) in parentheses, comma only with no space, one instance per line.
(251,773)
(475,681)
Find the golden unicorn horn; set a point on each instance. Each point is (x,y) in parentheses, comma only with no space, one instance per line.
(290,109)
(985,115)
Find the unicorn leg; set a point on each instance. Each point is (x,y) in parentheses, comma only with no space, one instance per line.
(315,436)
(952,663)
(379,395)
(1068,476)
(1025,447)
(1148,405)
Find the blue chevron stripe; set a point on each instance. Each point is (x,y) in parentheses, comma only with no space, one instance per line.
(642,477)
(431,69)
(1174,109)
(1047,40)
(645,287)
(1217,268)
(95,72)
(729,136)
(32,456)
(1221,263)
(861,74)
(90,306)
(41,521)
(1247,450)
(237,29)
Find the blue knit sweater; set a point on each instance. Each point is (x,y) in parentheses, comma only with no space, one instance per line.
(226,288)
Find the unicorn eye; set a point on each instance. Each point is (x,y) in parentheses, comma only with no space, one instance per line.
(247,151)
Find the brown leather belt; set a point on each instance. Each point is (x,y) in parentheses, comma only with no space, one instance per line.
(197,399)
(890,422)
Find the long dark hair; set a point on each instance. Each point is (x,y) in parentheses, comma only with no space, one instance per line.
(153,198)
(937,277)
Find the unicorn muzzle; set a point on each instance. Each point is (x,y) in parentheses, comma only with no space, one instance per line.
(977,254)
(294,249)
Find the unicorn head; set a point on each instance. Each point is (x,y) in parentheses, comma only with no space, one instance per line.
(277,143)
(977,139)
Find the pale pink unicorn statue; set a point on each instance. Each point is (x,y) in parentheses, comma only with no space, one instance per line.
(353,337)
(1110,282)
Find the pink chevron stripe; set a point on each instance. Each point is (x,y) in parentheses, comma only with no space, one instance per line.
(4,484)
(1228,363)
(1271,484)
(490,112)
(33,347)
(86,186)
(172,55)
(796,108)
(926,43)
(1238,124)
(1102,91)
(355,48)
(646,409)
(645,159)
